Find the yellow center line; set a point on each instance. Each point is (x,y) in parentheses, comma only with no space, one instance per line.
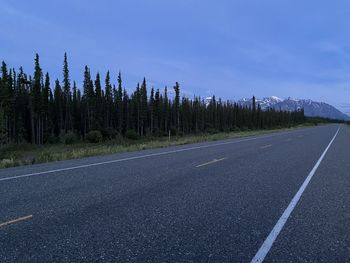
(266,146)
(211,162)
(16,220)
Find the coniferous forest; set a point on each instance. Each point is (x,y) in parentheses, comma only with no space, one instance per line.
(36,109)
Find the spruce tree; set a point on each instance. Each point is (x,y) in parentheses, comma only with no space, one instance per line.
(157,111)
(4,102)
(119,104)
(88,100)
(108,100)
(143,106)
(166,109)
(177,106)
(66,95)
(45,105)
(58,109)
(98,123)
(126,112)
(136,102)
(76,109)
(151,110)
(37,102)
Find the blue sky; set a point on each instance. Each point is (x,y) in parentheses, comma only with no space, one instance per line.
(232,49)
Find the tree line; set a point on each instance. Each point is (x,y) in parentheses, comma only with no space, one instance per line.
(36,110)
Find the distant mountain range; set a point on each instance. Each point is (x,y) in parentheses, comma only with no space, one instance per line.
(311,108)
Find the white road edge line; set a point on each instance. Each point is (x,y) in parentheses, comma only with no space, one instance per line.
(266,246)
(142,156)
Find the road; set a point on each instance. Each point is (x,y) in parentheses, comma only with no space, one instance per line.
(209,202)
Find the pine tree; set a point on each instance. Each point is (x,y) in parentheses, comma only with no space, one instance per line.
(151,110)
(4,102)
(37,103)
(157,111)
(22,107)
(143,107)
(58,109)
(45,106)
(177,106)
(254,104)
(76,116)
(4,87)
(136,103)
(98,103)
(166,109)
(66,95)
(108,101)
(126,112)
(119,104)
(88,100)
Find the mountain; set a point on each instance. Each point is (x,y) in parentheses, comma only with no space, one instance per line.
(311,108)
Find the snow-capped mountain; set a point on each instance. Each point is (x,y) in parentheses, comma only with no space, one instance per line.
(265,103)
(311,108)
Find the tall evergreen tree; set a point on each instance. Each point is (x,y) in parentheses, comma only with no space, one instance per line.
(45,106)
(143,107)
(177,106)
(151,110)
(119,104)
(36,117)
(98,103)
(76,116)
(166,109)
(4,102)
(66,95)
(157,111)
(58,109)
(126,112)
(88,100)
(108,101)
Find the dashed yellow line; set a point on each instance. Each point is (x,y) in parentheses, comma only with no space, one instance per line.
(211,162)
(16,220)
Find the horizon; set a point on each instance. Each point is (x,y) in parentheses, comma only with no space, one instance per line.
(230,50)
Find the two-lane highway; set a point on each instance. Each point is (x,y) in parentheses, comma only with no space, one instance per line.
(207,202)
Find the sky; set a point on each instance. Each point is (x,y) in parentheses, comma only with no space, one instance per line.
(230,48)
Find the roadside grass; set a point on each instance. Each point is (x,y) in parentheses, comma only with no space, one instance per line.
(25,154)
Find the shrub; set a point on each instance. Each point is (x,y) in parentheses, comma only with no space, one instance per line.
(108,133)
(53,139)
(93,136)
(234,129)
(131,134)
(69,138)
(210,130)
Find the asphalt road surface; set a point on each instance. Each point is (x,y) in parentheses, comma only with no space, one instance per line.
(282,197)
